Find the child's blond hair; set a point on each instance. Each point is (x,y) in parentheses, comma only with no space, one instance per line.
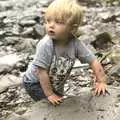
(67,11)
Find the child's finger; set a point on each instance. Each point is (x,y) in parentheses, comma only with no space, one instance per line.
(96,91)
(103,91)
(53,102)
(60,100)
(99,92)
(106,91)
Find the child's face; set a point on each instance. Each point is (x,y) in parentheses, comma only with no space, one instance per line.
(57,29)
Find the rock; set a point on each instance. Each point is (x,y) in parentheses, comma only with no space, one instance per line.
(8,80)
(118,19)
(8,20)
(27,23)
(116,84)
(27,32)
(40,30)
(115,54)
(102,41)
(15,116)
(2,33)
(90,2)
(26,45)
(11,40)
(115,71)
(21,110)
(5,69)
(10,59)
(82,107)
(1,43)
(78,64)
(108,17)
(16,30)
(45,3)
(5,5)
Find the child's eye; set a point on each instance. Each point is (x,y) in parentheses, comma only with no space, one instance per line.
(47,20)
(59,21)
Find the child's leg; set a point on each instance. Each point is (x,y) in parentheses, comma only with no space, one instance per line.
(34,90)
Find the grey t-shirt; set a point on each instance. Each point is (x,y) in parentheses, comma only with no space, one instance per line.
(44,52)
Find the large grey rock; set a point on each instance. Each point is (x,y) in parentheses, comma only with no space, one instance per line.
(26,45)
(115,54)
(15,116)
(115,71)
(8,80)
(5,69)
(10,59)
(84,107)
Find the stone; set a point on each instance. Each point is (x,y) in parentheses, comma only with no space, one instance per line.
(5,69)
(15,116)
(115,54)
(10,59)
(26,45)
(27,23)
(78,108)
(11,40)
(8,80)
(40,30)
(103,40)
(115,71)
(27,32)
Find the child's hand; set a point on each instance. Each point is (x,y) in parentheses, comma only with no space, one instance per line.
(100,88)
(54,99)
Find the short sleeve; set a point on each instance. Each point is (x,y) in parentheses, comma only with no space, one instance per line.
(43,55)
(84,54)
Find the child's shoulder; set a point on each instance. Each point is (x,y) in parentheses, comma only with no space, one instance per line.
(78,42)
(45,41)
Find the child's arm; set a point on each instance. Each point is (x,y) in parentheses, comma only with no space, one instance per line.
(100,85)
(46,86)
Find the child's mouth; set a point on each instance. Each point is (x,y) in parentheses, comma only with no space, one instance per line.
(50,32)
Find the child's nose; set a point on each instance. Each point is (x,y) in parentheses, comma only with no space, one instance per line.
(51,24)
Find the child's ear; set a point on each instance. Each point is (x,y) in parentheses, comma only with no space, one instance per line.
(74,28)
